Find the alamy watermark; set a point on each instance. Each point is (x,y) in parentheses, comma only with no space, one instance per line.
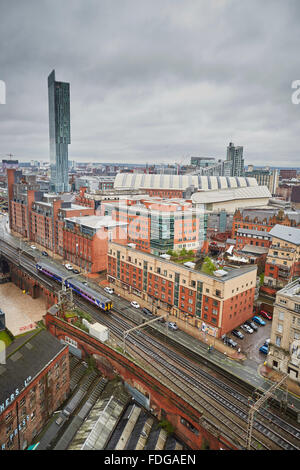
(2,352)
(2,92)
(296,95)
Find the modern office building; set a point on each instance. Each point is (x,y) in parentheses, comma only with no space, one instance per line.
(235,155)
(59,132)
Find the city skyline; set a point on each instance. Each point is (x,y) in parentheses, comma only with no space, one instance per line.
(143,88)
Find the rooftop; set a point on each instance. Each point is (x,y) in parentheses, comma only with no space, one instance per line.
(288,234)
(26,358)
(181,182)
(95,221)
(231,272)
(291,290)
(249,231)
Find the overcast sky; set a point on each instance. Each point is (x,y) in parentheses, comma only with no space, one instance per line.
(153,81)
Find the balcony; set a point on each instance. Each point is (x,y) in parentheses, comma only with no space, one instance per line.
(282,248)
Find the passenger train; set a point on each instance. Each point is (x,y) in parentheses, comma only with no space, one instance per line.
(86,292)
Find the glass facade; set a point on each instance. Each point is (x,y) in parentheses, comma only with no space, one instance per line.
(59,133)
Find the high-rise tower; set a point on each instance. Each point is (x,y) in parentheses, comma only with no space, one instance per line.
(235,155)
(59,133)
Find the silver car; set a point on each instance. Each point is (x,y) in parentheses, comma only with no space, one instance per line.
(247,328)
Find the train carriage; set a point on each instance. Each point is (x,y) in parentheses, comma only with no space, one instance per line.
(91,295)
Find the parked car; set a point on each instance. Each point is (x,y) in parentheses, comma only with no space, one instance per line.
(229,342)
(264,349)
(251,324)
(246,328)
(134,304)
(44,253)
(172,325)
(259,321)
(147,312)
(33,247)
(68,266)
(109,290)
(267,342)
(238,334)
(266,315)
(75,271)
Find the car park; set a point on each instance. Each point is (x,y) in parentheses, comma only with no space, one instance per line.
(44,253)
(246,328)
(238,334)
(172,325)
(259,320)
(229,342)
(134,304)
(147,312)
(266,315)
(264,349)
(109,290)
(252,325)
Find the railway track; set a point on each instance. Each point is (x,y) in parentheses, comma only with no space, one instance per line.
(223,395)
(222,400)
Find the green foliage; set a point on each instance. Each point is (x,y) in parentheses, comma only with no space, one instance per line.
(208,266)
(168,427)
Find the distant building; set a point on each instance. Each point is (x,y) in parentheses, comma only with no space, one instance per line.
(284,348)
(215,192)
(203,162)
(288,174)
(59,132)
(235,155)
(269,178)
(263,219)
(9,164)
(295,197)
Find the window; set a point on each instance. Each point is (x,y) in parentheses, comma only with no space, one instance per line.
(281,316)
(278,341)
(279,328)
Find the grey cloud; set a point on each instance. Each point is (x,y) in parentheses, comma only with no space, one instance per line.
(153,81)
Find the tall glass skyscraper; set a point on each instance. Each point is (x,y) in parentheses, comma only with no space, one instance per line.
(235,155)
(59,133)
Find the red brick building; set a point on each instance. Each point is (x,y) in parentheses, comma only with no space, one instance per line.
(263,219)
(85,240)
(34,382)
(221,301)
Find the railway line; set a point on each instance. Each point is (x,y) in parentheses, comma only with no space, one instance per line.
(225,396)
